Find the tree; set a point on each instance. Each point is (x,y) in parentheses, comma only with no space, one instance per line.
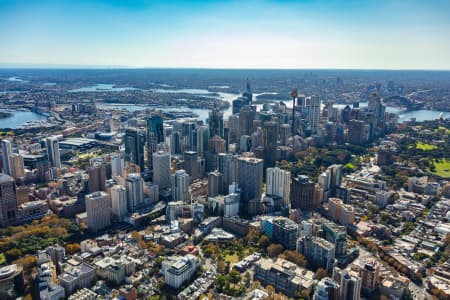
(13,254)
(274,250)
(72,248)
(320,273)
(295,257)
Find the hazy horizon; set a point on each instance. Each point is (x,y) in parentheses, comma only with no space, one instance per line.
(368,35)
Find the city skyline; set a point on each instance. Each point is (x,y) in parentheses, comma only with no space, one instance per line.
(216,34)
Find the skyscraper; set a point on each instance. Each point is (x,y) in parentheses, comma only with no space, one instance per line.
(214,183)
(135,192)
(279,184)
(161,169)
(369,276)
(134,140)
(225,166)
(16,165)
(155,136)
(119,202)
(53,152)
(270,142)
(215,122)
(313,107)
(246,116)
(6,153)
(8,201)
(98,210)
(250,178)
(357,132)
(202,139)
(302,193)
(180,186)
(350,284)
(97,177)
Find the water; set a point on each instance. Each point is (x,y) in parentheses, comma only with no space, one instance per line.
(420,115)
(18,118)
(102,87)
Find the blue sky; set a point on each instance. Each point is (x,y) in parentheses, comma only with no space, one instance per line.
(378,34)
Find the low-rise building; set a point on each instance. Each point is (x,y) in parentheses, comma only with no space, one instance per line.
(179,270)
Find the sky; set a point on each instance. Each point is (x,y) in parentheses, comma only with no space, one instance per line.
(354,34)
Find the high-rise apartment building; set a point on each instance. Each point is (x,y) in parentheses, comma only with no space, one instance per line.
(302,193)
(278,183)
(119,202)
(135,192)
(317,250)
(98,210)
(17,168)
(180,186)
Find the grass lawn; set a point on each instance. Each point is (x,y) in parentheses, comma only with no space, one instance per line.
(232,258)
(425,147)
(442,168)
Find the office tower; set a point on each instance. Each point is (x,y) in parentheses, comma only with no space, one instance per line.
(326,289)
(248,95)
(278,183)
(214,183)
(324,180)
(97,177)
(233,128)
(155,136)
(161,169)
(285,133)
(250,178)
(6,153)
(175,143)
(245,143)
(194,164)
(285,232)
(349,282)
(246,116)
(135,192)
(216,144)
(117,164)
(189,135)
(357,132)
(346,114)
(313,108)
(335,172)
(8,201)
(215,122)
(317,251)
(270,142)
(98,210)
(369,276)
(256,139)
(53,152)
(180,186)
(225,167)
(202,140)
(119,202)
(134,140)
(16,167)
(302,193)
(237,104)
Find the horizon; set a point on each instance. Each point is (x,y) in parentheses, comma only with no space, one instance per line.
(348,35)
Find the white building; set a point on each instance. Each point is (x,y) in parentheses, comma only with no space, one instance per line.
(180,186)
(179,270)
(98,210)
(119,202)
(161,169)
(231,205)
(135,192)
(117,165)
(279,183)
(53,152)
